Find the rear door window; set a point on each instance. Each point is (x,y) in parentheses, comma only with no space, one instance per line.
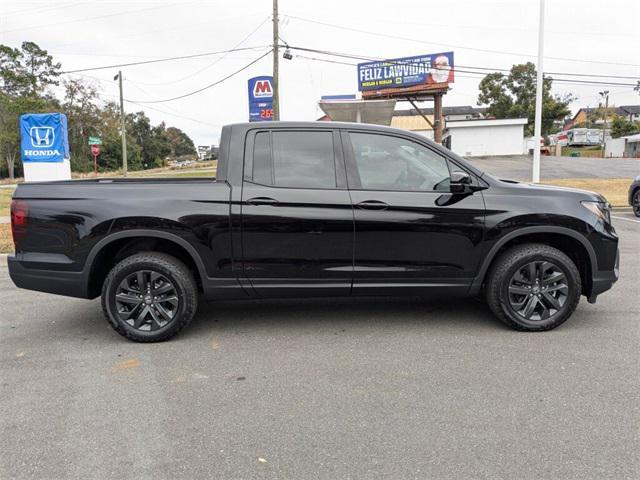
(304,159)
(292,159)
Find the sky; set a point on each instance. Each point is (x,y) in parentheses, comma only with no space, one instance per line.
(590,37)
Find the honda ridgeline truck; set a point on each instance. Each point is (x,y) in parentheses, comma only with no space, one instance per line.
(314,209)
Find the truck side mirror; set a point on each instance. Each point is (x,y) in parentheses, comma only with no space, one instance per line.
(460,182)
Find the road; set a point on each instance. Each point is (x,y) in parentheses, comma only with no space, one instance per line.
(518,167)
(324,389)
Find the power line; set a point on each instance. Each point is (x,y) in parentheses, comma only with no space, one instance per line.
(31,11)
(455,68)
(168,59)
(207,86)
(93,18)
(219,59)
(450,45)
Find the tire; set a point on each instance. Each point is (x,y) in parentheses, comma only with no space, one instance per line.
(149,297)
(635,203)
(511,288)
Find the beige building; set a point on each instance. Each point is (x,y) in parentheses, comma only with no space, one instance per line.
(413,121)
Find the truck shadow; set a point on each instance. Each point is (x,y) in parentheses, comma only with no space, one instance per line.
(341,312)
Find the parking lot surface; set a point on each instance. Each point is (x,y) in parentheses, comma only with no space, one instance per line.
(329,388)
(518,167)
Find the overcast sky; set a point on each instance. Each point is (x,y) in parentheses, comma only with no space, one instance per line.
(582,36)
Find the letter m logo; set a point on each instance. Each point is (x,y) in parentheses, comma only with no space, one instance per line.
(262,88)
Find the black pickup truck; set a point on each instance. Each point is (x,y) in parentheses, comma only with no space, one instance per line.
(314,209)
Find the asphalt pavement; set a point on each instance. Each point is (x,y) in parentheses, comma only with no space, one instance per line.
(324,389)
(518,167)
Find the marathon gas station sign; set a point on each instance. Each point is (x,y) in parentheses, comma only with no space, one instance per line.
(436,68)
(260,98)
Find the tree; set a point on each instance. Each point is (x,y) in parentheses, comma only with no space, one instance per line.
(25,74)
(28,70)
(621,127)
(180,142)
(10,110)
(84,120)
(153,141)
(513,95)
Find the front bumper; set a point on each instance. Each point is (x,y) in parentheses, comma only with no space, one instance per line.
(604,280)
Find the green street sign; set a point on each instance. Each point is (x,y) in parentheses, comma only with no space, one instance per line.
(95,141)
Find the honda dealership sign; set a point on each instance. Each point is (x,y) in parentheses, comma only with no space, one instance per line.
(44,137)
(260,99)
(429,69)
(44,146)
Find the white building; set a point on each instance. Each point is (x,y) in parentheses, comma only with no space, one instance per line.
(504,136)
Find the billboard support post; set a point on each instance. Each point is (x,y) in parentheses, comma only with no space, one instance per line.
(437,118)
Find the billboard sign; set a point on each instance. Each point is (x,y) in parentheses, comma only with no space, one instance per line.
(260,98)
(43,137)
(435,68)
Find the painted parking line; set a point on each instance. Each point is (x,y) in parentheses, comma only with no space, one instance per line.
(626,219)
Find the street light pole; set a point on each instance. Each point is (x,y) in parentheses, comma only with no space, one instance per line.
(537,129)
(123,131)
(276,88)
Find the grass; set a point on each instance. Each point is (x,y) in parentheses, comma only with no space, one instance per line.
(614,189)
(5,201)
(6,240)
(594,151)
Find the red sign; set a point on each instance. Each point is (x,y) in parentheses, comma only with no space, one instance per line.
(95,150)
(266,113)
(262,88)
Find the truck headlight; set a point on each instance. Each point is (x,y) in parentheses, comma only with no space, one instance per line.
(602,210)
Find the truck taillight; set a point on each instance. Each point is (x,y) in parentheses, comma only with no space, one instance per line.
(19,215)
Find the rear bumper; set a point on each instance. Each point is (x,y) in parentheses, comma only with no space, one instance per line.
(70,284)
(604,280)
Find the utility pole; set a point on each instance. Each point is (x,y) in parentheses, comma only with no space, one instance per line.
(605,95)
(123,130)
(276,88)
(537,129)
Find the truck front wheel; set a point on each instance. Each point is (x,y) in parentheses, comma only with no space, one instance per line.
(149,297)
(533,287)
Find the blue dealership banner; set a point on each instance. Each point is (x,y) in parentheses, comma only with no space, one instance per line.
(405,72)
(260,98)
(43,137)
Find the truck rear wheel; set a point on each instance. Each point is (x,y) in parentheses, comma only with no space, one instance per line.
(533,287)
(149,297)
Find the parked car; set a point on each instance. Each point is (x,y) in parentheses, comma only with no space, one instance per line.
(634,195)
(314,209)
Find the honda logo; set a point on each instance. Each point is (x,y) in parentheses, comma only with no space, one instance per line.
(41,137)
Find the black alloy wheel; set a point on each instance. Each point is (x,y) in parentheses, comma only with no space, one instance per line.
(636,203)
(147,300)
(538,290)
(533,287)
(149,296)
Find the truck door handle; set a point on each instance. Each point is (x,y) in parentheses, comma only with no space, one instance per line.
(373,205)
(262,201)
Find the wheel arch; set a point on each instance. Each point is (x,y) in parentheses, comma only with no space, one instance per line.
(563,239)
(113,248)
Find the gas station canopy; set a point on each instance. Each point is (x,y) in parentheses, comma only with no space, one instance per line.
(378,112)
